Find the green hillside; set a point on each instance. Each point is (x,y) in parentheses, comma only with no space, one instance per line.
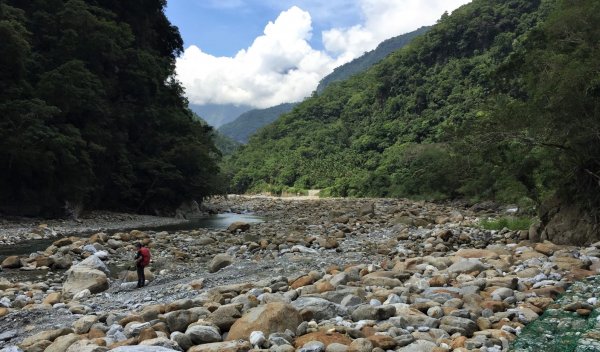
(460,112)
(91,117)
(249,122)
(369,58)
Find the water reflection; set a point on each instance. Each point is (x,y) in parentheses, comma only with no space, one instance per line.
(219,221)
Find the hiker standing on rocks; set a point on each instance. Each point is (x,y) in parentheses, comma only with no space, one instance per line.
(142,259)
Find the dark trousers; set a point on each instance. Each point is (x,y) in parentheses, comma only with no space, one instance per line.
(140,275)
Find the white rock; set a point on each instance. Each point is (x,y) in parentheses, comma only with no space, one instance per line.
(257,338)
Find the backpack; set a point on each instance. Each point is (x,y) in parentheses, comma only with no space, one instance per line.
(145,252)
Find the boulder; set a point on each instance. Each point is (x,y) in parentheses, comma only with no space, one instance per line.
(238,225)
(318,308)
(228,346)
(49,335)
(466,266)
(62,343)
(369,312)
(81,278)
(162,342)
(225,316)
(268,318)
(180,319)
(12,262)
(142,348)
(94,262)
(219,262)
(200,334)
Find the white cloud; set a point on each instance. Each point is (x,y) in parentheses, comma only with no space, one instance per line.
(281,66)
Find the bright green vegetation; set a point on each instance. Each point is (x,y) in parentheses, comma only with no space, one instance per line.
(511,223)
(499,100)
(90,113)
(369,58)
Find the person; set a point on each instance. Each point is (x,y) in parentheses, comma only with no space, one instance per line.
(142,259)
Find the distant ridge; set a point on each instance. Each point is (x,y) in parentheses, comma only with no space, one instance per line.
(218,114)
(370,58)
(251,121)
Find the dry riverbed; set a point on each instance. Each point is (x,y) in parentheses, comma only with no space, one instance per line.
(317,275)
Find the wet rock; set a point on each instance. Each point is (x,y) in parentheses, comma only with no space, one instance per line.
(238,226)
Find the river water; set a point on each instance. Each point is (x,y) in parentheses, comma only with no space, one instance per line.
(219,221)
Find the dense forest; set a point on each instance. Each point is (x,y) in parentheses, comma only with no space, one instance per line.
(499,100)
(369,58)
(92,116)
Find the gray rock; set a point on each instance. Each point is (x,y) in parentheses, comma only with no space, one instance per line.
(161,342)
(336,347)
(200,334)
(142,348)
(313,346)
(369,312)
(182,340)
(7,335)
(452,324)
(466,266)
(419,346)
(219,262)
(361,345)
(318,308)
(11,349)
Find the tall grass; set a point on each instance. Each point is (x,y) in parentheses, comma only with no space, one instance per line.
(509,222)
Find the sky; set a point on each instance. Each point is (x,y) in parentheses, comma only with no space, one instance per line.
(262,53)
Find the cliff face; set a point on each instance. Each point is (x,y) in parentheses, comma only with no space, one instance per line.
(563,223)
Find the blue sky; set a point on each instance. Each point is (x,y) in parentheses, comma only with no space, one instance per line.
(222,28)
(266,52)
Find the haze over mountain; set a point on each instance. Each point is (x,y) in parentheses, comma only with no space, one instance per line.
(217,115)
(251,121)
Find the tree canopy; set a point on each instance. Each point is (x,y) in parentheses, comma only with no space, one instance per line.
(91,113)
(498,100)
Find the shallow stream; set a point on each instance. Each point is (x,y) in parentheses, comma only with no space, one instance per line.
(218,221)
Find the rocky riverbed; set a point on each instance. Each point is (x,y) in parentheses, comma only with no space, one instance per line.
(318,275)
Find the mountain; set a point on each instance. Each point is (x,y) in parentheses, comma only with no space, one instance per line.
(457,113)
(370,58)
(217,115)
(251,121)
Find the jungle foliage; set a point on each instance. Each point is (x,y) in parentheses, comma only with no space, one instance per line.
(91,114)
(498,100)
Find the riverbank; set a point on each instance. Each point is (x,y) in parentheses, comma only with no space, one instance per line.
(19,229)
(319,274)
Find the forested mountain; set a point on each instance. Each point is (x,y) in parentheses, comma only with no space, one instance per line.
(251,121)
(219,114)
(91,113)
(369,58)
(499,100)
